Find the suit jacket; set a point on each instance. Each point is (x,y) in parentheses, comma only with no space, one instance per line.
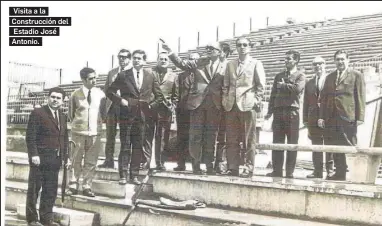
(204,81)
(348,98)
(289,94)
(138,99)
(311,108)
(245,88)
(182,86)
(167,86)
(43,132)
(87,119)
(111,76)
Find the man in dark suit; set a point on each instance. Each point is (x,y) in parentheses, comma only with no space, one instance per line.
(182,84)
(112,109)
(284,104)
(47,143)
(204,103)
(136,86)
(164,112)
(243,84)
(342,109)
(311,110)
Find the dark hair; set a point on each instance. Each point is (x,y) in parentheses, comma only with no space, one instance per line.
(225,48)
(125,51)
(341,51)
(57,90)
(84,73)
(139,51)
(296,55)
(243,37)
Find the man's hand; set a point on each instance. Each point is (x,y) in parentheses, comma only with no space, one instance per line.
(166,47)
(68,164)
(36,160)
(124,102)
(321,123)
(267,116)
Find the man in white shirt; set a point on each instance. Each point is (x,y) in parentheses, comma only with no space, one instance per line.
(112,109)
(311,109)
(86,111)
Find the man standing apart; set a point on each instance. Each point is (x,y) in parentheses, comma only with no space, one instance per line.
(47,143)
(311,111)
(342,109)
(86,110)
(136,86)
(284,104)
(242,94)
(112,109)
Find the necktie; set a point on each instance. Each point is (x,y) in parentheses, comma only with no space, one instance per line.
(338,77)
(318,86)
(56,118)
(138,84)
(212,69)
(89,97)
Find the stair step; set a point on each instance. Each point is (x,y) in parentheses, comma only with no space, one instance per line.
(113,211)
(65,216)
(11,219)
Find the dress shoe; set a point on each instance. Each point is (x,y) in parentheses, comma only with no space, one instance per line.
(51,223)
(134,180)
(160,168)
(289,176)
(274,174)
(329,175)
(314,175)
(122,181)
(180,168)
(234,173)
(337,176)
(246,173)
(211,171)
(88,193)
(71,191)
(107,164)
(35,223)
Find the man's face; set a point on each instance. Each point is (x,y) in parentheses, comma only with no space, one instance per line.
(163,60)
(90,81)
(123,60)
(212,52)
(290,62)
(319,66)
(138,60)
(242,46)
(55,100)
(341,61)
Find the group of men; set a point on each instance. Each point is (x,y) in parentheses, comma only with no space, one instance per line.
(216,103)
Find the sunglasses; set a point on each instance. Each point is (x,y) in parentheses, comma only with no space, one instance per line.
(211,48)
(318,63)
(122,57)
(163,59)
(241,44)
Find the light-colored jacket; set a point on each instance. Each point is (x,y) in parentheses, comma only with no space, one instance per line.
(87,119)
(245,87)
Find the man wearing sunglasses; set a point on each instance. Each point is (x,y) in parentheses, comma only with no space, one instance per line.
(204,103)
(163,112)
(311,110)
(242,94)
(112,109)
(284,104)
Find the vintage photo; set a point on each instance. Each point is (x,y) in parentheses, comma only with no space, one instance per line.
(191,113)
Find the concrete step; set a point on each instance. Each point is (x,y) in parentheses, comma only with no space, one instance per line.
(65,216)
(314,199)
(11,219)
(113,211)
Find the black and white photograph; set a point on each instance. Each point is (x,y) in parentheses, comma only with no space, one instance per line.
(147,113)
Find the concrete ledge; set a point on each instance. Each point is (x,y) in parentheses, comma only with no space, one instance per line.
(66,217)
(113,211)
(323,200)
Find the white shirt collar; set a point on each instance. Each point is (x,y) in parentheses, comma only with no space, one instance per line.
(53,113)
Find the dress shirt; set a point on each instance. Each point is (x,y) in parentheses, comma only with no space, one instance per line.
(139,85)
(54,115)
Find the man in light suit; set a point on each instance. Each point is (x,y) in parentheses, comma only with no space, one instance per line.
(284,104)
(311,110)
(183,114)
(242,94)
(86,111)
(342,109)
(112,109)
(136,86)
(163,113)
(204,103)
(47,144)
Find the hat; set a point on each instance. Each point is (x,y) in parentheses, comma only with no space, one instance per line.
(215,45)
